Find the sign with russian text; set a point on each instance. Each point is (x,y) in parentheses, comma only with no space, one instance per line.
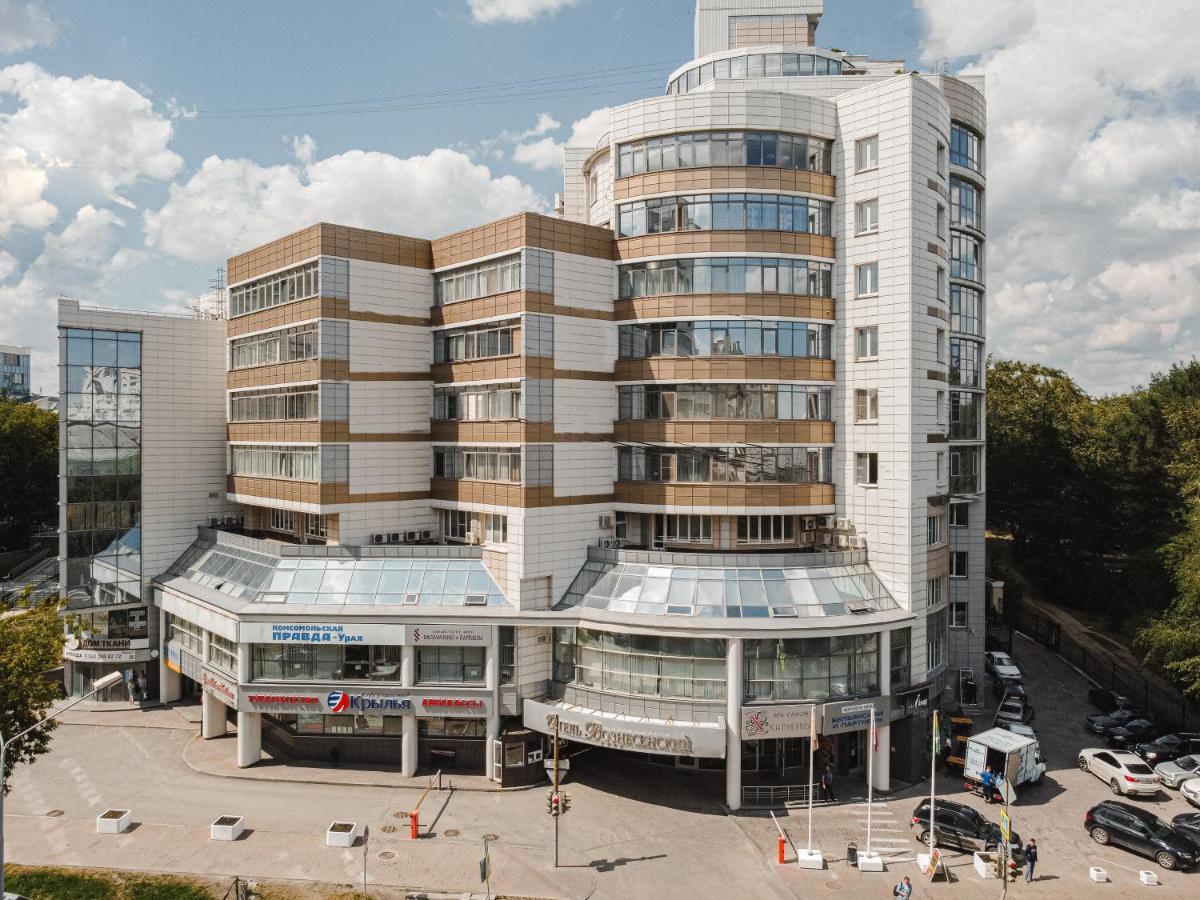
(853,715)
(788,720)
(219,686)
(321,633)
(443,635)
(621,733)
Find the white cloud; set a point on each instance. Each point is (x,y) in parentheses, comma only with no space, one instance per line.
(547,153)
(542,155)
(1093,207)
(24,26)
(8,265)
(230,205)
(489,11)
(22,185)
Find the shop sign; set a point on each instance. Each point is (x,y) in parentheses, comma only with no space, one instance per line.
(219,687)
(433,635)
(467,707)
(114,644)
(102,656)
(853,715)
(693,739)
(173,657)
(784,721)
(320,633)
(277,701)
(914,701)
(346,702)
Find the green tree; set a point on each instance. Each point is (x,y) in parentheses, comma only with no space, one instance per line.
(29,463)
(31,644)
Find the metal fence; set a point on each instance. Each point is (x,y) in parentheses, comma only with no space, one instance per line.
(766,796)
(1154,694)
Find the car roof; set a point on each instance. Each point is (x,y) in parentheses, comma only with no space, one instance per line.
(1146,814)
(946,804)
(1124,756)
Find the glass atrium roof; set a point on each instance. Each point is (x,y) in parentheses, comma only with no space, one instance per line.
(379,580)
(743,592)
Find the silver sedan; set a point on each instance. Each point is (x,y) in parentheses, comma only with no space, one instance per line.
(1176,771)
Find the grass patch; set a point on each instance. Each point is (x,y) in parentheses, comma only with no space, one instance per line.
(64,884)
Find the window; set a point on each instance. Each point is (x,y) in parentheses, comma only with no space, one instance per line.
(866,342)
(259,461)
(283,520)
(941,222)
(507,635)
(495,528)
(185,634)
(901,661)
(284,345)
(741,464)
(933,530)
(941,284)
(966,415)
(941,159)
(940,464)
(866,405)
(866,468)
(958,614)
(766,65)
(450,665)
(960,515)
(725,337)
(966,204)
(867,279)
(966,362)
(966,310)
(477,463)
(726,275)
(481,280)
(964,470)
(940,337)
(222,653)
(724,148)
(725,212)
(483,342)
(455,523)
(646,665)
(958,564)
(866,217)
(966,257)
(964,147)
(290,404)
(866,154)
(733,401)
(275,290)
(765,529)
(315,525)
(811,668)
(477,403)
(683,529)
(940,407)
(934,591)
(935,628)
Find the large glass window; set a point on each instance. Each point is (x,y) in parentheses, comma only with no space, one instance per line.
(647,665)
(744,464)
(726,275)
(284,345)
(966,204)
(326,662)
(695,401)
(733,337)
(275,290)
(481,342)
(966,362)
(966,257)
(477,463)
(964,470)
(288,404)
(935,639)
(725,212)
(966,310)
(766,529)
(497,276)
(477,403)
(966,416)
(102,406)
(450,665)
(294,463)
(186,634)
(222,653)
(114,623)
(725,148)
(812,668)
(901,662)
(964,148)
(757,65)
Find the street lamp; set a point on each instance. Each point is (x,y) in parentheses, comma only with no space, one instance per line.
(97,686)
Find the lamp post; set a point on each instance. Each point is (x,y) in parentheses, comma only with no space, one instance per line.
(106,682)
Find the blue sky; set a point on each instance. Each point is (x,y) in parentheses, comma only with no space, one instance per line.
(142,142)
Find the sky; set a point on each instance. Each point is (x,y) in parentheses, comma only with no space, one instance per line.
(142,142)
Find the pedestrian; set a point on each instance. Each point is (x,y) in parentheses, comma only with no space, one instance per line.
(903,889)
(827,784)
(1030,858)
(988,780)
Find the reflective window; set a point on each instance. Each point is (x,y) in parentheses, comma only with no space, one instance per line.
(480,342)
(966,362)
(477,463)
(766,529)
(274,405)
(284,345)
(697,401)
(725,212)
(966,257)
(275,290)
(494,277)
(756,65)
(964,147)
(866,153)
(720,148)
(450,665)
(964,470)
(966,416)
(711,465)
(294,463)
(326,662)
(966,204)
(477,403)
(966,310)
(648,665)
(726,275)
(732,337)
(812,668)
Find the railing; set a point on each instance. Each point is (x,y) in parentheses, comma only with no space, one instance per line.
(775,795)
(641,707)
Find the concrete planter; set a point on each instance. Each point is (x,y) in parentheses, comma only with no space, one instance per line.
(985,864)
(870,862)
(341,834)
(113,821)
(227,828)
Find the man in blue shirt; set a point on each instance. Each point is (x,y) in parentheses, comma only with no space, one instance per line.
(988,781)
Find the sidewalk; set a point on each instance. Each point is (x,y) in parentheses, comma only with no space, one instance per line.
(131,715)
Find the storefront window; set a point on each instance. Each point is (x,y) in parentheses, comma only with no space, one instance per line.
(901,657)
(451,728)
(686,668)
(115,623)
(332,662)
(812,668)
(508,653)
(450,665)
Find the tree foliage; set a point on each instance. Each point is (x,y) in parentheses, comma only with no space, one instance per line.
(29,463)
(31,644)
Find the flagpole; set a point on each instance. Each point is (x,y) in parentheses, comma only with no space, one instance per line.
(812,740)
(870,777)
(932,787)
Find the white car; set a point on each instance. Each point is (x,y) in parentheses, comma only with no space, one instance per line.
(1124,772)
(1190,791)
(1175,772)
(994,658)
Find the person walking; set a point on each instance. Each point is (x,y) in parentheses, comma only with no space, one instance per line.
(903,890)
(827,785)
(1030,859)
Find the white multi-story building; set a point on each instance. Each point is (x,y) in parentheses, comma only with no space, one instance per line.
(692,471)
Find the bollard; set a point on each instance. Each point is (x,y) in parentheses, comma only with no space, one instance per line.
(782,845)
(413,825)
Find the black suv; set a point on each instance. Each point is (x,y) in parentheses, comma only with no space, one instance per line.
(1168,747)
(1139,830)
(961,826)
(1108,700)
(1133,732)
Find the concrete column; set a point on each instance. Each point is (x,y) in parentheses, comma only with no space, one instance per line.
(733,724)
(492,680)
(212,717)
(882,758)
(170,688)
(408,724)
(249,739)
(245,665)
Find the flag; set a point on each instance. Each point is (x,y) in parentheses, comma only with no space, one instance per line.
(874,733)
(935,733)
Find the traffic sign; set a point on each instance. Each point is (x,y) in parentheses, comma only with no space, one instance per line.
(1008,792)
(1005,826)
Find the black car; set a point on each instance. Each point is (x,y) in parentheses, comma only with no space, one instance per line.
(1101,722)
(1007,685)
(1189,825)
(1142,832)
(1107,701)
(961,826)
(1168,747)
(1131,733)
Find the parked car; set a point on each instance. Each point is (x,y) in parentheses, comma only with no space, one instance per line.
(1169,746)
(1127,736)
(994,658)
(1013,708)
(1175,772)
(1142,832)
(1107,701)
(1019,728)
(1007,679)
(1190,791)
(1101,722)
(961,826)
(1189,824)
(1123,772)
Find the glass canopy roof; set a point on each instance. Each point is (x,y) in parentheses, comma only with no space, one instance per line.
(380,580)
(727,592)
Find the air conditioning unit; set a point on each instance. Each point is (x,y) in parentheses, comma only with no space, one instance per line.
(858,542)
(411,537)
(231,520)
(808,538)
(379,539)
(843,524)
(824,521)
(619,543)
(826,539)
(608,543)
(394,537)
(474,537)
(214,521)
(427,534)
(810,523)
(606,521)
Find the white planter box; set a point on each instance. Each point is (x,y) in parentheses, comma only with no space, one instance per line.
(870,862)
(227,828)
(809,859)
(341,834)
(1147,877)
(1097,874)
(113,821)
(985,864)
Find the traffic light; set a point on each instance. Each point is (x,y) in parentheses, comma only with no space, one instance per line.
(553,803)
(1012,869)
(566,802)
